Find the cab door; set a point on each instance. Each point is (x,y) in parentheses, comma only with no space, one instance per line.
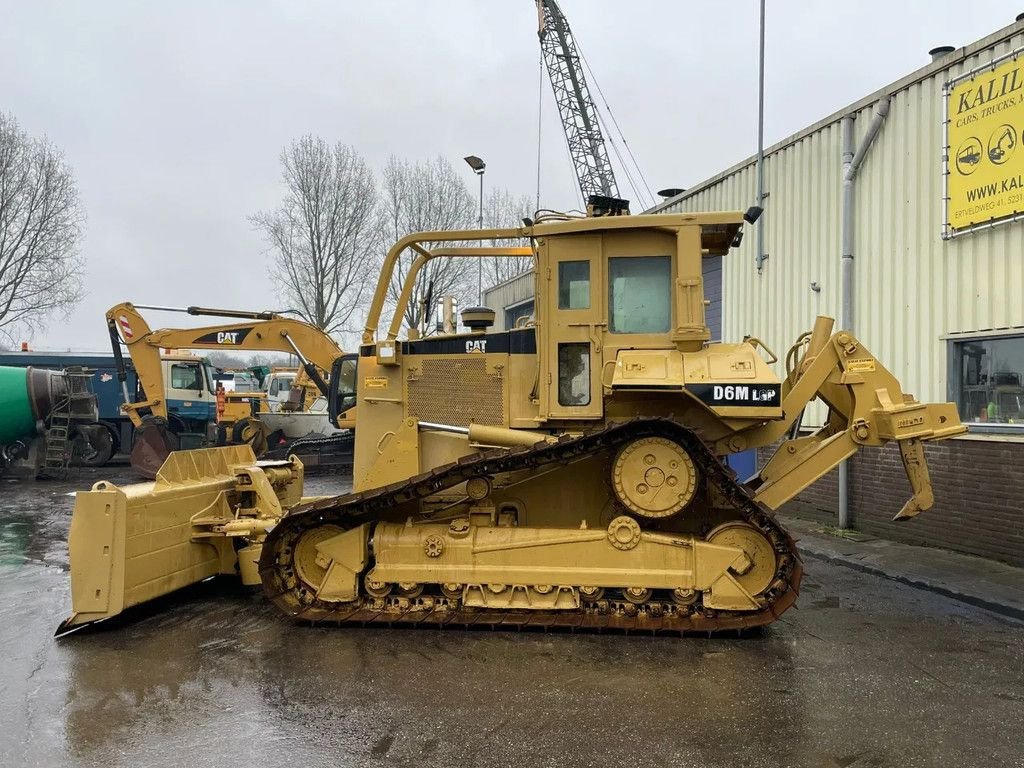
(341,401)
(574,327)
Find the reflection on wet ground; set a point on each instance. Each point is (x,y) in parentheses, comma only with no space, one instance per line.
(866,673)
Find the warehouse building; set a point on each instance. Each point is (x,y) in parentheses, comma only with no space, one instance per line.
(935,258)
(931,170)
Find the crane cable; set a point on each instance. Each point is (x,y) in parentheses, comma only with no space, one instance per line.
(615,122)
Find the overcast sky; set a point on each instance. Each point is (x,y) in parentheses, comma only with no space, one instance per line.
(172,114)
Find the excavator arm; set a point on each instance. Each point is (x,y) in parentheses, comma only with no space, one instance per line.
(258,331)
(867,407)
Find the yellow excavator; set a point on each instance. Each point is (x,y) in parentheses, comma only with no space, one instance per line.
(179,406)
(568,473)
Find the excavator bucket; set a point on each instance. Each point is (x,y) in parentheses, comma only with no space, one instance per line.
(152,444)
(132,544)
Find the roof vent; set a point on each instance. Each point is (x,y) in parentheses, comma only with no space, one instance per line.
(1020,17)
(941,52)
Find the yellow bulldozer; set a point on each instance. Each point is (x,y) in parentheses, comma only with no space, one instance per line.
(565,473)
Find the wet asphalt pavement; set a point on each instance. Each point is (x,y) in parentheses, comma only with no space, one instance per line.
(867,673)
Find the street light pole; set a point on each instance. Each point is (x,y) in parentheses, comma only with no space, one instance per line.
(480,259)
(478,167)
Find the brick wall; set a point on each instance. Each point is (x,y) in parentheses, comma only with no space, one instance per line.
(979,497)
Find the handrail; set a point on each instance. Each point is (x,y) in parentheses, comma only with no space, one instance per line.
(414,241)
(425,256)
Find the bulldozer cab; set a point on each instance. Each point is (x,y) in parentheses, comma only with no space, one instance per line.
(611,289)
(619,302)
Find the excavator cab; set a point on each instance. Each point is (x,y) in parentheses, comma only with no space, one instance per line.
(341,399)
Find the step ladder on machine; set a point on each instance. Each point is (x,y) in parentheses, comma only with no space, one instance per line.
(58,449)
(76,407)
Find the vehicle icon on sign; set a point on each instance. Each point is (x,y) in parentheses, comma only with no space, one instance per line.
(1001,144)
(968,156)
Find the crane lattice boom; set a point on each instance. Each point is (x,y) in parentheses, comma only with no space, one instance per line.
(575,105)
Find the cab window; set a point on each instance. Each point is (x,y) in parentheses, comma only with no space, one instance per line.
(343,384)
(186,376)
(347,382)
(574,374)
(574,285)
(639,294)
(280,386)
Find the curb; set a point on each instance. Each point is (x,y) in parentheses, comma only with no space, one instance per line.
(1002,609)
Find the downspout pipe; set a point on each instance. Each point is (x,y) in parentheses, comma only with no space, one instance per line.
(760,256)
(853,157)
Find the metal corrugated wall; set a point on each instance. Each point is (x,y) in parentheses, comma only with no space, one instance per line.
(507,294)
(911,287)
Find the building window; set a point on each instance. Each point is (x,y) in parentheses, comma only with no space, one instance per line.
(987,380)
(639,294)
(514,314)
(574,285)
(574,374)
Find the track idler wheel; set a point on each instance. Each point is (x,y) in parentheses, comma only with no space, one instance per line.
(760,573)
(654,477)
(310,566)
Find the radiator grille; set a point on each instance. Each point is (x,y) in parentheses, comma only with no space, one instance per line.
(456,392)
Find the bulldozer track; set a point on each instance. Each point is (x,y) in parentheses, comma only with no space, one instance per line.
(615,613)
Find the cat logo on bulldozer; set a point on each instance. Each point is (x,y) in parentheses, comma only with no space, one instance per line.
(476,345)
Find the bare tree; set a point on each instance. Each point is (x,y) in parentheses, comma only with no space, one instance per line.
(226,360)
(503,210)
(419,197)
(41,224)
(322,236)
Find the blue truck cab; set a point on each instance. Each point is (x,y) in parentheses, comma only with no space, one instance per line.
(191,396)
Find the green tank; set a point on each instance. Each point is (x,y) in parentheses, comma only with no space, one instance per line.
(26,395)
(16,416)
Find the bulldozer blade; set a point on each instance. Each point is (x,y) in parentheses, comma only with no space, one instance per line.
(152,444)
(131,544)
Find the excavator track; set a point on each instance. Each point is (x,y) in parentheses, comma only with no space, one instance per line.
(614,612)
(331,452)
